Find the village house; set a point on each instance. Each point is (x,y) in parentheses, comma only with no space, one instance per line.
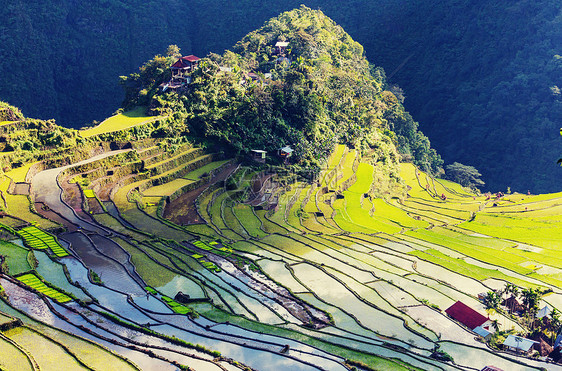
(491,368)
(285,152)
(467,316)
(545,311)
(512,304)
(483,333)
(181,71)
(258,155)
(281,47)
(518,344)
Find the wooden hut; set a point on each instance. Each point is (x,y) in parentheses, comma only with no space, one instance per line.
(281,47)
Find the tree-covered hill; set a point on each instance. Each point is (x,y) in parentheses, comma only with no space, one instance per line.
(482,78)
(318,92)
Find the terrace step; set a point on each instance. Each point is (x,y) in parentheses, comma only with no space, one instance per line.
(160,155)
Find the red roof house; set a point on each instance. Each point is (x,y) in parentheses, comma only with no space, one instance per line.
(186,63)
(466,315)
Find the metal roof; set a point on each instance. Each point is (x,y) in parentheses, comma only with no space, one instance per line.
(519,343)
(482,331)
(466,315)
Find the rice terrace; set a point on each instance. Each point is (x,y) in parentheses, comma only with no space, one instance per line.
(161,240)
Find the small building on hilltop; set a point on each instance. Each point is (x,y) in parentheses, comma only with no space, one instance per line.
(285,152)
(181,71)
(466,315)
(281,47)
(258,155)
(185,65)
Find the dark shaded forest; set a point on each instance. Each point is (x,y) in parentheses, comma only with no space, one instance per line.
(482,78)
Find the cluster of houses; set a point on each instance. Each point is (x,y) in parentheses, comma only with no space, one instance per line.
(283,153)
(181,76)
(182,68)
(483,327)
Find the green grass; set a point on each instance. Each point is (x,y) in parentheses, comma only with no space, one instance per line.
(167,189)
(19,174)
(196,174)
(249,220)
(33,281)
(16,258)
(120,121)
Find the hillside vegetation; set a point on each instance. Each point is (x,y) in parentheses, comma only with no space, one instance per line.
(319,92)
(482,78)
(154,241)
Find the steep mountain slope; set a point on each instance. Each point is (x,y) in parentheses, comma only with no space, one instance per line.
(480,71)
(148,236)
(313,92)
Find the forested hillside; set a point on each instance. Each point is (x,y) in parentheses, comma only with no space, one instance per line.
(482,79)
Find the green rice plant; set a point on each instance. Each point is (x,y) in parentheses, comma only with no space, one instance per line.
(150,265)
(202,245)
(33,281)
(121,199)
(249,220)
(336,156)
(112,223)
(151,290)
(215,209)
(38,239)
(230,219)
(89,193)
(364,179)
(383,210)
(544,232)
(154,226)
(13,358)
(167,189)
(203,230)
(46,353)
(19,174)
(347,168)
(20,206)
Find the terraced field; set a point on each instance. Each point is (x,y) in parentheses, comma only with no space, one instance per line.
(320,275)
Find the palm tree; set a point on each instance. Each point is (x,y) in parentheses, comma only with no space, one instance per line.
(554,322)
(531,298)
(492,301)
(496,325)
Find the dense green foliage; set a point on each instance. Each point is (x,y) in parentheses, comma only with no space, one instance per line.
(320,92)
(62,59)
(482,78)
(467,176)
